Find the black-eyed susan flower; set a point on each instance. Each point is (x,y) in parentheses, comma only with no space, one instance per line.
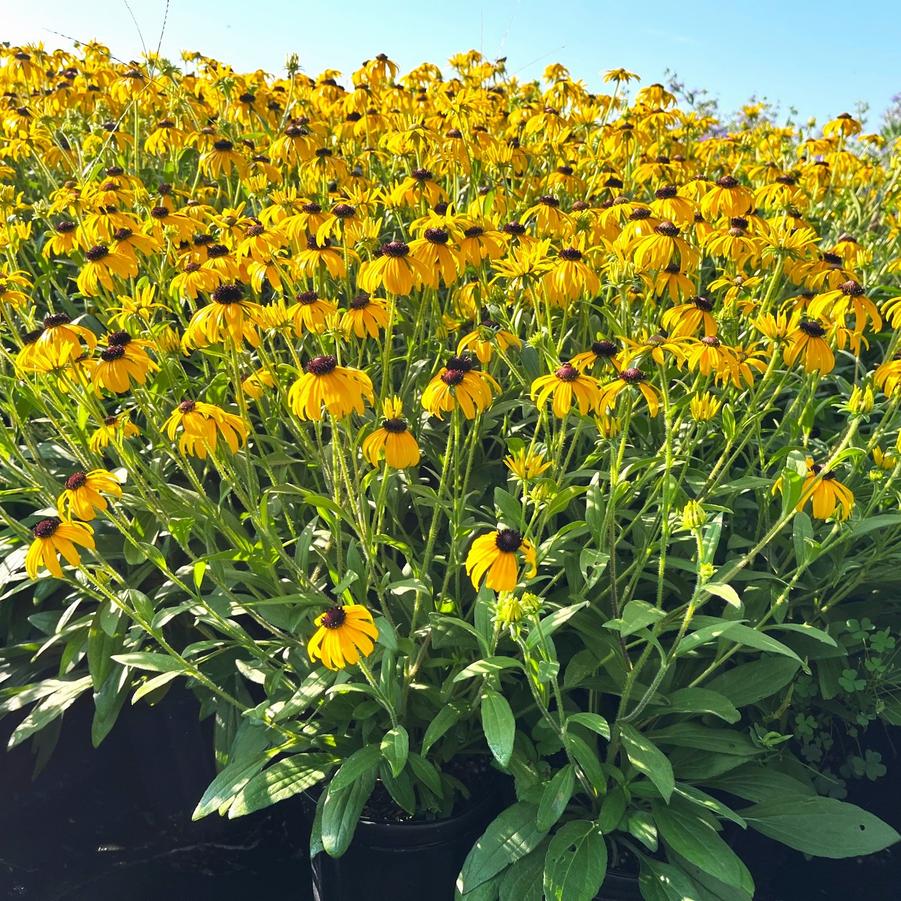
(460,384)
(63,240)
(392,440)
(887,376)
(83,494)
(365,315)
(200,426)
(662,247)
(441,261)
(570,277)
(311,313)
(194,279)
(710,355)
(602,350)
(807,343)
(704,406)
(113,430)
(61,340)
(345,634)
(53,539)
(339,389)
(631,377)
(826,494)
(726,198)
(482,340)
(567,385)
(13,288)
(221,158)
(257,383)
(526,463)
(493,557)
(687,319)
(122,362)
(848,299)
(229,315)
(394,270)
(101,264)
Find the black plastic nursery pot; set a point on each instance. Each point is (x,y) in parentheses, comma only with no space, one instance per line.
(404,861)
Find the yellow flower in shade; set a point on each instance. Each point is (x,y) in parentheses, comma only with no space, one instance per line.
(704,407)
(202,425)
(826,493)
(311,313)
(113,430)
(83,494)
(459,384)
(482,340)
(339,389)
(228,315)
(365,316)
(888,376)
(628,377)
(13,286)
(493,557)
(394,269)
(101,264)
(123,361)
(526,464)
(566,384)
(392,440)
(807,342)
(688,318)
(54,538)
(607,426)
(256,383)
(344,635)
(884,459)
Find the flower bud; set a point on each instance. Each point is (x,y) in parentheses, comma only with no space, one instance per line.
(693,516)
(861,400)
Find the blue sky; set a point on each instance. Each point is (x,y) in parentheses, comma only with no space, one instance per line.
(818,57)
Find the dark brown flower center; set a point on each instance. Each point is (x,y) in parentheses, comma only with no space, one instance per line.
(436,235)
(395,249)
(187,406)
(809,327)
(567,373)
(851,288)
(223,146)
(55,319)
(46,527)
(322,365)
(703,304)
(359,302)
(665,192)
(333,618)
(571,254)
(711,341)
(228,293)
(604,348)
(97,252)
(307,297)
(508,540)
(667,229)
(632,375)
(727,181)
(394,425)
(76,480)
(65,226)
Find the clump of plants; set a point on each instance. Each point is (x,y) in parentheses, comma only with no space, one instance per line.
(442,433)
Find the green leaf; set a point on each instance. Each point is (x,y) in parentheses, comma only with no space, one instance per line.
(447,717)
(510,508)
(395,747)
(708,802)
(699,843)
(155,663)
(641,825)
(704,738)
(283,779)
(555,797)
(341,811)
(754,782)
(426,772)
(522,880)
(575,863)
(362,761)
(808,632)
(823,827)
(593,721)
(702,700)
(751,682)
(648,759)
(510,836)
(499,725)
(635,616)
(151,685)
(661,881)
(551,623)
(49,709)
(721,590)
(701,636)
(487,667)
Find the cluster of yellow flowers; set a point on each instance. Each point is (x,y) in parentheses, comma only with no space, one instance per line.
(473,247)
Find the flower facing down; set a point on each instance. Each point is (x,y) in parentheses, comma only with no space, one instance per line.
(345,634)
(493,557)
(392,440)
(52,538)
(83,493)
(340,389)
(826,493)
(202,425)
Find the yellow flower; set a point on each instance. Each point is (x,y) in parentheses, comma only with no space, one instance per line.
(883,459)
(345,634)
(807,342)
(202,425)
(566,384)
(228,315)
(113,430)
(394,269)
(257,382)
(311,313)
(492,557)
(392,440)
(688,318)
(826,493)
(704,407)
(727,198)
(526,464)
(61,341)
(459,384)
(83,494)
(100,267)
(121,362)
(324,383)
(365,316)
(631,376)
(482,340)
(54,538)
